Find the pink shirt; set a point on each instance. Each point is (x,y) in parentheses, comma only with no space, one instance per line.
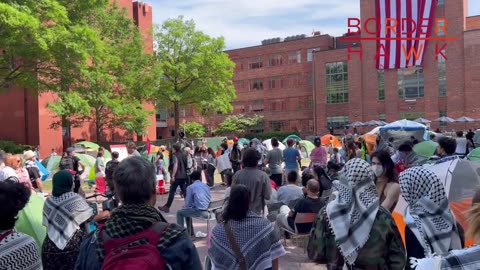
(318,156)
(23,177)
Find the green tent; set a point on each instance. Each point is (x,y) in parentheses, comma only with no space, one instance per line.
(474,155)
(86,144)
(425,149)
(307,145)
(30,219)
(243,141)
(293,136)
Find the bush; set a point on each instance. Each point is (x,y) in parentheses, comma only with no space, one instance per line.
(280,135)
(12,147)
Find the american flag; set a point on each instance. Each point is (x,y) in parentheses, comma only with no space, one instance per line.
(396,50)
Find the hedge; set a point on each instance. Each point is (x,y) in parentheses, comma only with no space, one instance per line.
(12,147)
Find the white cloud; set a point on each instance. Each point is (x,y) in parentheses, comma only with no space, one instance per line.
(247,22)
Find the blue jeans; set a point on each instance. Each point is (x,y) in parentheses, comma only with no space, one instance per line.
(187,214)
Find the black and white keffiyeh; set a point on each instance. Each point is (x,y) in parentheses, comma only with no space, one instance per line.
(352,213)
(428,214)
(63,215)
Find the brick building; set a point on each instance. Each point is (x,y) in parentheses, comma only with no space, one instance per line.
(26,119)
(307,83)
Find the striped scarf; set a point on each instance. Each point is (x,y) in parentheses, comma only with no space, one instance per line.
(352,213)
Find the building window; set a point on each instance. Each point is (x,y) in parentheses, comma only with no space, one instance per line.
(411,115)
(275,60)
(310,54)
(337,122)
(238,64)
(256,84)
(410,83)
(275,83)
(293,80)
(310,102)
(443,114)
(442,76)
(255,62)
(277,125)
(257,106)
(337,82)
(238,85)
(381,84)
(295,57)
(383,117)
(440,2)
(441,22)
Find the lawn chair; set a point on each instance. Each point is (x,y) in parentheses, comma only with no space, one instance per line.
(300,218)
(213,208)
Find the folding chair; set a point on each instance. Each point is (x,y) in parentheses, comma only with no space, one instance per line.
(300,218)
(213,207)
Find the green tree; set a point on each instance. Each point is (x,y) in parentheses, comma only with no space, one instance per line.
(44,42)
(110,92)
(195,70)
(193,129)
(238,124)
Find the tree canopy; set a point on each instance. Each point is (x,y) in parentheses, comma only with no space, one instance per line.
(238,124)
(193,129)
(195,70)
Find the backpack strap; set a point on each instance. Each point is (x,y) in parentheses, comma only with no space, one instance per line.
(5,234)
(152,234)
(238,253)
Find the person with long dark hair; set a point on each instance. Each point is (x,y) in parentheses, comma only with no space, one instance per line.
(211,166)
(386,179)
(17,250)
(324,180)
(254,238)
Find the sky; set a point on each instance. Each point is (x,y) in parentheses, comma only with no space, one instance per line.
(246,23)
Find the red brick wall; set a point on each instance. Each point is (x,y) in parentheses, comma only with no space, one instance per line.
(473,22)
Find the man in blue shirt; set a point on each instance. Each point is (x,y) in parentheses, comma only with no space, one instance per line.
(291,156)
(197,201)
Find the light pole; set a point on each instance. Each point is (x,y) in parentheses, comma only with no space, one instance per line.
(315,124)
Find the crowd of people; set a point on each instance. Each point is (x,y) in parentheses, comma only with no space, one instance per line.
(351,195)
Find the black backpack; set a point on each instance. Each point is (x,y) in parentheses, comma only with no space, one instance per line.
(67,163)
(110,168)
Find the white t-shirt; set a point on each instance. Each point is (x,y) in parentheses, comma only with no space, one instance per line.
(289,193)
(461,146)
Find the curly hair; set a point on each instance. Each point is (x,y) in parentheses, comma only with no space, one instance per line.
(13,198)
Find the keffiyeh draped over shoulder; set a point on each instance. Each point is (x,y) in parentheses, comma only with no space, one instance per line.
(352,213)
(63,216)
(429,216)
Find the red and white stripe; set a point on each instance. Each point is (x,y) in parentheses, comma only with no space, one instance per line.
(397,9)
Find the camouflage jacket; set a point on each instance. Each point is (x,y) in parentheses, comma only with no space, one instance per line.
(383,250)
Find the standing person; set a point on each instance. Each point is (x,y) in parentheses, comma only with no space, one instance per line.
(64,215)
(235,156)
(100,169)
(431,226)
(17,250)
(15,162)
(355,228)
(197,200)
(470,143)
(291,157)
(224,165)
(446,149)
(73,163)
(274,161)
(386,179)
(318,156)
(33,171)
(53,153)
(322,177)
(212,164)
(37,152)
(462,145)
(244,236)
(261,149)
(299,148)
(351,151)
(256,180)
(132,150)
(160,165)
(191,164)
(167,247)
(110,170)
(178,177)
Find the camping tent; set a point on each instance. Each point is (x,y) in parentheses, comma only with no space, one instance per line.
(402,130)
(268,144)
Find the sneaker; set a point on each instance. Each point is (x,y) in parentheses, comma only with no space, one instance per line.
(164,208)
(200,234)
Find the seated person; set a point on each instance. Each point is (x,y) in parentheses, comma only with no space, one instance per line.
(197,201)
(310,204)
(291,191)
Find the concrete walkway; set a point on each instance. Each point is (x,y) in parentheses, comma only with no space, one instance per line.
(294,259)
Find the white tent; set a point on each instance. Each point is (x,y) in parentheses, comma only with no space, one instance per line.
(268,144)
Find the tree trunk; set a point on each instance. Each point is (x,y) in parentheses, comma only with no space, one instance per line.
(176,109)
(98,126)
(66,133)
